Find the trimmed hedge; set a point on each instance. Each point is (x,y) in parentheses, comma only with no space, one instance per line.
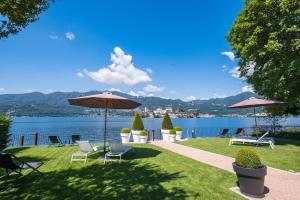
(167,123)
(172,132)
(125,130)
(5,123)
(137,124)
(247,158)
(178,128)
(143,133)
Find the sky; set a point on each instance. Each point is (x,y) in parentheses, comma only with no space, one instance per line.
(171,49)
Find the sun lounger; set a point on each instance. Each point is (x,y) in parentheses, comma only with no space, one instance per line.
(55,141)
(117,150)
(75,138)
(240,132)
(251,140)
(85,149)
(11,164)
(224,132)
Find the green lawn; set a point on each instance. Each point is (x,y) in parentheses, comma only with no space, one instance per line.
(286,154)
(147,173)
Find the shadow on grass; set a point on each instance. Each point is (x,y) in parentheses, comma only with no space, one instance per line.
(129,180)
(281,141)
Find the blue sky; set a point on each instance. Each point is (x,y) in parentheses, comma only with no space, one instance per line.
(170,49)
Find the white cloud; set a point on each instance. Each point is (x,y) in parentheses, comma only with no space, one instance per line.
(29,90)
(114,90)
(224,68)
(190,98)
(229,54)
(2,89)
(150,71)
(153,88)
(121,70)
(80,74)
(173,92)
(235,72)
(215,96)
(138,93)
(70,35)
(247,88)
(250,68)
(53,36)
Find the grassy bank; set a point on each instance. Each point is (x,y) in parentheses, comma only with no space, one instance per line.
(147,173)
(284,156)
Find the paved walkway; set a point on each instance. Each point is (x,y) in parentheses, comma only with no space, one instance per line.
(283,185)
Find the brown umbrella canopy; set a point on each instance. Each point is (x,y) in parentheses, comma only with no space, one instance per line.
(104,100)
(255,102)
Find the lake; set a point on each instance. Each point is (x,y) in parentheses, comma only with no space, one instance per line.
(91,128)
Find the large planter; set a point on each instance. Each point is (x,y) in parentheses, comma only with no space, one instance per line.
(143,139)
(172,137)
(165,134)
(251,181)
(125,137)
(178,135)
(136,136)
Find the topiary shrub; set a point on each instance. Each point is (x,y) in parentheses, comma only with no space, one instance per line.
(125,130)
(167,123)
(172,132)
(143,133)
(5,123)
(178,128)
(137,123)
(248,158)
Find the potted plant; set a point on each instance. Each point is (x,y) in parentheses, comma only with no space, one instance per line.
(166,127)
(172,135)
(178,130)
(143,137)
(250,172)
(137,127)
(125,134)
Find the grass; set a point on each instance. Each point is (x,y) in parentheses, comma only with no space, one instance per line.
(147,173)
(285,155)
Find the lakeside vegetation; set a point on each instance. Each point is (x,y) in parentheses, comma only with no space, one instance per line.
(285,155)
(147,172)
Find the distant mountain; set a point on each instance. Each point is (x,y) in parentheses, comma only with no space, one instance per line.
(56,104)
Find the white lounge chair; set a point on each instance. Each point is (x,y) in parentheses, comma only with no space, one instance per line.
(85,149)
(252,140)
(117,150)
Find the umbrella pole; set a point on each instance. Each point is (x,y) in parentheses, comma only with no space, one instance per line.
(105,121)
(255,128)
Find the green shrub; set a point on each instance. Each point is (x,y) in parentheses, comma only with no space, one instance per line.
(178,128)
(137,123)
(172,132)
(167,123)
(125,130)
(143,133)
(247,158)
(5,123)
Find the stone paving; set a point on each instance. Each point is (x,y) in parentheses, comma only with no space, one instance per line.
(282,185)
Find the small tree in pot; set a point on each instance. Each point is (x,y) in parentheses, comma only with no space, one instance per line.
(5,123)
(166,127)
(143,136)
(137,127)
(250,172)
(125,134)
(172,135)
(178,130)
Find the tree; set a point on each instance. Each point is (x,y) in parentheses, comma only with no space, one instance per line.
(4,131)
(137,124)
(167,123)
(17,14)
(266,39)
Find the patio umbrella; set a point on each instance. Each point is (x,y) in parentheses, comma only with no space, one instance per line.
(105,100)
(255,102)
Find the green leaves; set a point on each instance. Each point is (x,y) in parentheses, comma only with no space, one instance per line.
(247,158)
(267,33)
(16,14)
(167,123)
(137,123)
(5,123)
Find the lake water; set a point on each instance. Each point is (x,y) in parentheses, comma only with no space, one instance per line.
(91,128)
